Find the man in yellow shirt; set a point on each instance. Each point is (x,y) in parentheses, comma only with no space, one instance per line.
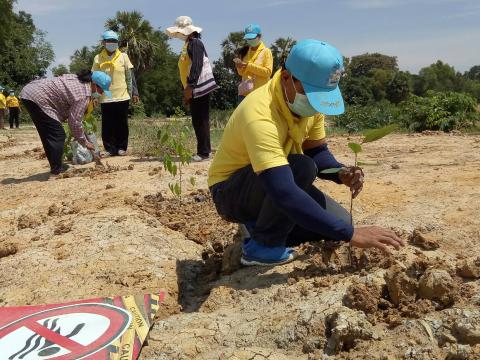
(13,106)
(272,150)
(117,65)
(3,106)
(256,66)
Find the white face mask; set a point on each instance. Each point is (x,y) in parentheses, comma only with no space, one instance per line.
(300,106)
(111,47)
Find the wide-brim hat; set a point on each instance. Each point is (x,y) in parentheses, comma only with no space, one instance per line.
(183,25)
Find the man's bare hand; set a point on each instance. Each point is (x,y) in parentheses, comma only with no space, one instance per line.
(135,99)
(187,95)
(354,178)
(90,146)
(377,237)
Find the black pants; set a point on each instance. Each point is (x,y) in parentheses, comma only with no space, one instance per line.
(13,117)
(242,199)
(115,126)
(51,133)
(200,108)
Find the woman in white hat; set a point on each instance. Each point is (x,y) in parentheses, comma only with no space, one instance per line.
(197,80)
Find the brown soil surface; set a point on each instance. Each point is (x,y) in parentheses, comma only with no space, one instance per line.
(117,230)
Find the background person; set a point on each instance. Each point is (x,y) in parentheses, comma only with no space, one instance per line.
(3,107)
(256,66)
(197,80)
(272,150)
(64,98)
(13,106)
(118,66)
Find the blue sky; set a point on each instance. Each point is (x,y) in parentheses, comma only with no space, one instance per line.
(417,32)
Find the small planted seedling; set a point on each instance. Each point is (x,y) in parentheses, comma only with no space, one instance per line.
(176,157)
(370,136)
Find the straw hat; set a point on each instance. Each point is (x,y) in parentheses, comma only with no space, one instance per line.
(183,25)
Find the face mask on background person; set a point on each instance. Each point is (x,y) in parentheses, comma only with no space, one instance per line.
(111,47)
(300,106)
(254,42)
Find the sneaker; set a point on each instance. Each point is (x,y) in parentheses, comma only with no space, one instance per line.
(105,154)
(255,254)
(198,158)
(122,152)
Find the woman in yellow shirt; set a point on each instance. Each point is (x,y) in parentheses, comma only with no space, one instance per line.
(256,66)
(3,106)
(117,65)
(198,82)
(13,106)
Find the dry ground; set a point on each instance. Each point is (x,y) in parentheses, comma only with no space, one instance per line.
(118,231)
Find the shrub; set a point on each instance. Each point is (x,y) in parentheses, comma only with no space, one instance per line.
(357,117)
(444,111)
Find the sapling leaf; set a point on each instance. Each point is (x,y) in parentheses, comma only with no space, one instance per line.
(375,134)
(356,148)
(192,181)
(331,171)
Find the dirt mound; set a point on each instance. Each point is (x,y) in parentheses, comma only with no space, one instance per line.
(29,221)
(469,268)
(7,250)
(93,172)
(424,241)
(438,285)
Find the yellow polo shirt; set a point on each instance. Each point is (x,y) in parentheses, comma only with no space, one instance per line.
(121,63)
(12,102)
(259,66)
(262,131)
(3,102)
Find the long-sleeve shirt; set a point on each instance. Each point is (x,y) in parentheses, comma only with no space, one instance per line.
(259,66)
(196,51)
(63,98)
(3,102)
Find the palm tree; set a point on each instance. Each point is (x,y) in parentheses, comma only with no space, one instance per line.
(137,36)
(230,45)
(280,50)
(82,59)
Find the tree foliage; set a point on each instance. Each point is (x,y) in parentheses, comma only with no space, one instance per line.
(25,54)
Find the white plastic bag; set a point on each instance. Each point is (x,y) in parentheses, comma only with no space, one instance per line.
(81,155)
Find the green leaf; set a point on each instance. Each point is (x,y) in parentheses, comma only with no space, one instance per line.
(192,181)
(174,170)
(356,148)
(330,171)
(375,134)
(177,189)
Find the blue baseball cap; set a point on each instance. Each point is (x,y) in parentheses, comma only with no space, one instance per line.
(252,31)
(319,67)
(104,81)
(110,35)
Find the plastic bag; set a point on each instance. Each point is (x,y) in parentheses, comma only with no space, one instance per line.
(81,155)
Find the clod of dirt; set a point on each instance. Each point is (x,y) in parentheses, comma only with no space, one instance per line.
(401,287)
(7,250)
(459,352)
(363,297)
(28,221)
(231,258)
(423,241)
(345,328)
(62,209)
(438,285)
(395,166)
(63,228)
(469,268)
(109,186)
(467,327)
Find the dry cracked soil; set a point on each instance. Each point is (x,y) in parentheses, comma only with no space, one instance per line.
(117,231)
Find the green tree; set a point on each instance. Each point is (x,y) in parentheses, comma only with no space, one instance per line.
(226,97)
(25,54)
(6,18)
(438,77)
(473,73)
(60,70)
(280,50)
(363,65)
(356,90)
(230,45)
(399,87)
(137,36)
(82,59)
